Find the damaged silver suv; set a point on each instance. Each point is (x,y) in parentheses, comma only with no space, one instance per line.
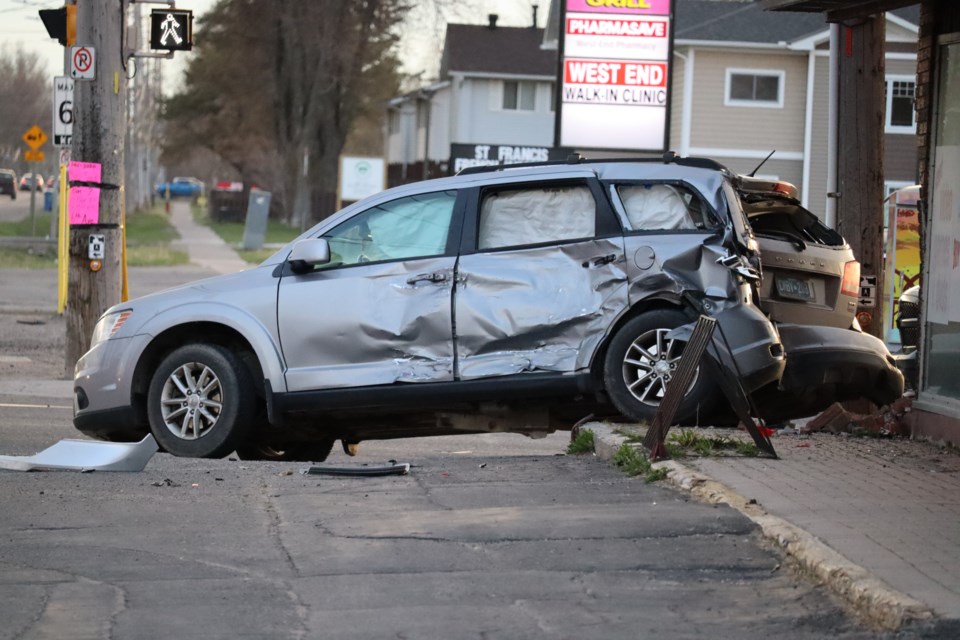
(504,299)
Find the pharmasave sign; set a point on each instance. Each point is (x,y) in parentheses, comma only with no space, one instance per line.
(615,74)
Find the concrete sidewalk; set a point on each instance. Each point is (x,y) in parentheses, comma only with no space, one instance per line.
(876,520)
(205,248)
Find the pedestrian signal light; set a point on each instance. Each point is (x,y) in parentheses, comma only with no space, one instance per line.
(171,30)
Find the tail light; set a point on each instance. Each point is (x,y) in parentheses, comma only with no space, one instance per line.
(851,279)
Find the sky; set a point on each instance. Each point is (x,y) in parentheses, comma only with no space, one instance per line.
(20,25)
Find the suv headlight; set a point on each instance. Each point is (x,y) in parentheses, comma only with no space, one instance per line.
(108,326)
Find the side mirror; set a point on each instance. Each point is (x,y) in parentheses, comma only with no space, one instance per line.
(306,254)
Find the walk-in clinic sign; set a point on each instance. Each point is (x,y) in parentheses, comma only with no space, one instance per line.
(615,74)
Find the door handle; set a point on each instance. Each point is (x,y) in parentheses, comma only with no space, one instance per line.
(428,277)
(599,261)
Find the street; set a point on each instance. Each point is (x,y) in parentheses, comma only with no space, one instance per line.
(493,536)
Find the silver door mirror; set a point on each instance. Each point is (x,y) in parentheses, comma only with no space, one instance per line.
(308,253)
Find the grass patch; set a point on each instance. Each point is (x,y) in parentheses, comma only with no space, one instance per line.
(690,443)
(23,259)
(149,235)
(634,462)
(582,443)
(23,228)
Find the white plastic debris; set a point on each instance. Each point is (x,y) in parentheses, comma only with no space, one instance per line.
(86,455)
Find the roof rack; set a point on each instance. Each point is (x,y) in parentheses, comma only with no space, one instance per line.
(669,157)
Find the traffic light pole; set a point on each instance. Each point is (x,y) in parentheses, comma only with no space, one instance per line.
(98,137)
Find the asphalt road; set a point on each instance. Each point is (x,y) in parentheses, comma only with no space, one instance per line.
(487,537)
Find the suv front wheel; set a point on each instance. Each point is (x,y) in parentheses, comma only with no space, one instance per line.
(641,361)
(200,401)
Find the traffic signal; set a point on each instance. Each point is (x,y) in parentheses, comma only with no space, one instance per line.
(61,23)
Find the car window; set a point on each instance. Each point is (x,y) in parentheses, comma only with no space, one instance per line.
(664,207)
(413,227)
(517,217)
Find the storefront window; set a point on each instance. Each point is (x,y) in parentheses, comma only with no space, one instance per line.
(941,286)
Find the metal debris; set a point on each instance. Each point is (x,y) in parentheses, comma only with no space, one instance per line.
(387,470)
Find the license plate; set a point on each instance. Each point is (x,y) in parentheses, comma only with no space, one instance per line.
(795,288)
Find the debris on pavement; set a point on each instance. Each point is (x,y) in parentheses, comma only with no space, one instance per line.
(386,470)
(887,421)
(86,455)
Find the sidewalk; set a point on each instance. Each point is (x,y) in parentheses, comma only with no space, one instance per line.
(876,520)
(205,248)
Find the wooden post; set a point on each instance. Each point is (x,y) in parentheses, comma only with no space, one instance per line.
(98,136)
(860,150)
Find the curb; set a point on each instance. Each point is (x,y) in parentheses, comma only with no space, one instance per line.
(870,597)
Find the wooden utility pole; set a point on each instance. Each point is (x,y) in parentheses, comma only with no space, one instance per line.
(98,136)
(860,162)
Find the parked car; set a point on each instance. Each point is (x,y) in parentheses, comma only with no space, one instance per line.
(29,181)
(181,188)
(516,298)
(8,183)
(810,288)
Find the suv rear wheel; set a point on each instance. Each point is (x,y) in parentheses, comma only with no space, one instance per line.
(640,362)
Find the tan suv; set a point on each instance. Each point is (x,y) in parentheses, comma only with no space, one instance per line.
(810,273)
(810,288)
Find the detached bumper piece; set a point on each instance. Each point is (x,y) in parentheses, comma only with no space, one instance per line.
(86,455)
(827,365)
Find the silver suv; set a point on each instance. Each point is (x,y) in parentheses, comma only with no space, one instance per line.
(517,299)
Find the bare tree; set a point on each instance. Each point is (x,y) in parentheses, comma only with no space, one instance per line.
(334,59)
(279,107)
(24,100)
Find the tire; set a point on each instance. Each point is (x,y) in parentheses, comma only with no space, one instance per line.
(639,363)
(200,402)
(290,452)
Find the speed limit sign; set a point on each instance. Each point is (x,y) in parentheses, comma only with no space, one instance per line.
(62,111)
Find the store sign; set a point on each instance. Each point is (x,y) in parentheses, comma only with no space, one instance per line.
(361,177)
(615,74)
(464,156)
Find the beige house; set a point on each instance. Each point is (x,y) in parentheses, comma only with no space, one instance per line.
(747,82)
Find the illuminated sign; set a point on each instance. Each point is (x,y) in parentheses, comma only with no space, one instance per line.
(615,74)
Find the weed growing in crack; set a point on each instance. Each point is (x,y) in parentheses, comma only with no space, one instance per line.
(634,462)
(582,443)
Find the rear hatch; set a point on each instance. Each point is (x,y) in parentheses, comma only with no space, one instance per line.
(810,275)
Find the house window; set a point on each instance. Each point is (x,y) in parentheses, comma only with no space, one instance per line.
(393,123)
(519,95)
(754,88)
(901,117)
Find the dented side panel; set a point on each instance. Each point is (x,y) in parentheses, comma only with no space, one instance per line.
(536,309)
(368,324)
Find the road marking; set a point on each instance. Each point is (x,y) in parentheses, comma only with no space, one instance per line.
(14,359)
(9,405)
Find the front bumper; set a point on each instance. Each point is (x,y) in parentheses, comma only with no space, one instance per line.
(827,365)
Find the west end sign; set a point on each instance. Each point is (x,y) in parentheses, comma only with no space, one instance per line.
(615,74)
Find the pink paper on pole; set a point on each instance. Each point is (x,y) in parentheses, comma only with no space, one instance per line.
(84,204)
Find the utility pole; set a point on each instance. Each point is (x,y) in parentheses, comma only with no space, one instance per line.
(860,162)
(98,137)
